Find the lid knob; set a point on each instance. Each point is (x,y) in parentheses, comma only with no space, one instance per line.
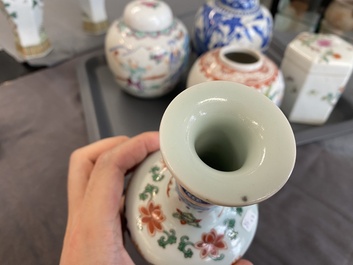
(148,15)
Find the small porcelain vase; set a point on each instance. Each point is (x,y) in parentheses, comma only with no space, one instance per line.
(147,50)
(94,16)
(195,200)
(242,65)
(27,19)
(222,22)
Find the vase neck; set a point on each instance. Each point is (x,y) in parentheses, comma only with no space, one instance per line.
(191,201)
(241,4)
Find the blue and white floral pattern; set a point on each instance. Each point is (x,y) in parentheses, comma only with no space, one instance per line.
(241,4)
(222,22)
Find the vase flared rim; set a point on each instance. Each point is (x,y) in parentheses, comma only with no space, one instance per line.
(266,167)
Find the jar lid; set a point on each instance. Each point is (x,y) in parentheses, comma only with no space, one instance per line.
(320,53)
(241,5)
(148,15)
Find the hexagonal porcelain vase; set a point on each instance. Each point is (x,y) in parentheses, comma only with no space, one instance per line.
(316,68)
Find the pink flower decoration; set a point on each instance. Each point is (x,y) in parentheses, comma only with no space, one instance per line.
(324,43)
(210,244)
(150,4)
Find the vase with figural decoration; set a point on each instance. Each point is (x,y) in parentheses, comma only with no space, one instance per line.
(147,49)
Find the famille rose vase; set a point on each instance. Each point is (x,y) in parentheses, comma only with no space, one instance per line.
(195,200)
(147,50)
(242,65)
(222,22)
(94,16)
(26,17)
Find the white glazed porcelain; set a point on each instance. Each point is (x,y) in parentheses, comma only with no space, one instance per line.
(242,65)
(316,68)
(194,202)
(27,18)
(94,16)
(147,50)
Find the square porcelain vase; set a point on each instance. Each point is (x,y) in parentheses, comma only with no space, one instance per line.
(316,68)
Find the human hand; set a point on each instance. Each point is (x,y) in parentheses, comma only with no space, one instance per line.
(95,187)
(243,262)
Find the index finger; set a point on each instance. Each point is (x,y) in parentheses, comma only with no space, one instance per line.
(107,181)
(81,164)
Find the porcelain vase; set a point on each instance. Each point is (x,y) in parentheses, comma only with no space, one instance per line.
(224,148)
(94,16)
(222,22)
(314,86)
(147,50)
(26,17)
(242,65)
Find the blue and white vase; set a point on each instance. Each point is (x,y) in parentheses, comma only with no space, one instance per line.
(239,22)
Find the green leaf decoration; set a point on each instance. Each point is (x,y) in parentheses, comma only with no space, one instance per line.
(231,233)
(187,218)
(230,223)
(184,242)
(13,15)
(171,238)
(149,192)
(156,176)
(35,3)
(239,211)
(220,257)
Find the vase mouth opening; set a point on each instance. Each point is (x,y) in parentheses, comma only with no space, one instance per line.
(217,147)
(243,59)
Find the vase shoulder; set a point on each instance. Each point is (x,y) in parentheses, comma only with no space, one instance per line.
(168,231)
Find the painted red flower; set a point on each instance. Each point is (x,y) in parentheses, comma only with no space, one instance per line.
(210,244)
(152,216)
(324,43)
(337,56)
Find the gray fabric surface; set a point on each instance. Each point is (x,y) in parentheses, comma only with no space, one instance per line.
(41,123)
(310,221)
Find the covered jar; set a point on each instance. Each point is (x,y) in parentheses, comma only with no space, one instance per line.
(147,49)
